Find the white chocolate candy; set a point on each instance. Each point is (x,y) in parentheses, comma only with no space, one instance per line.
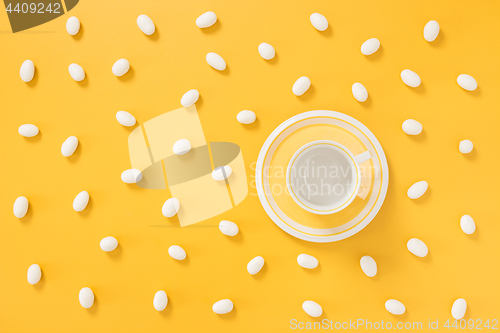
(410,78)
(359,92)
(467,82)
(319,21)
(246,117)
(458,308)
(108,244)
(301,85)
(370,46)
(160,301)
(465,146)
(34,274)
(145,23)
(206,20)
(228,228)
(255,265)
(81,201)
(28,130)
(467,224)
(417,247)
(412,127)
(368,266)
(417,190)
(312,308)
(86,297)
(27,71)
(21,207)
(431,31)
(170,207)
(190,98)
(266,51)
(120,67)
(125,118)
(131,176)
(76,71)
(73,25)
(216,61)
(307,261)
(69,146)
(223,306)
(222,173)
(177,252)
(181,147)
(395,307)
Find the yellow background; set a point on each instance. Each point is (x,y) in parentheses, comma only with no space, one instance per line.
(164,66)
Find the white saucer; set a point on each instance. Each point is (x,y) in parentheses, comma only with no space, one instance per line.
(280,147)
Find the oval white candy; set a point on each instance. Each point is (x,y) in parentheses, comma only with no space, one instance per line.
(410,78)
(417,247)
(301,85)
(120,67)
(223,306)
(467,82)
(34,274)
(108,244)
(160,301)
(266,51)
(21,207)
(319,21)
(76,71)
(255,265)
(359,92)
(417,190)
(181,147)
(81,201)
(458,309)
(395,307)
(131,176)
(312,308)
(228,228)
(412,127)
(86,297)
(246,117)
(370,46)
(222,173)
(69,146)
(125,118)
(145,23)
(170,207)
(190,98)
(206,20)
(73,25)
(368,266)
(27,71)
(465,146)
(307,261)
(177,252)
(431,31)
(216,61)
(467,224)
(28,130)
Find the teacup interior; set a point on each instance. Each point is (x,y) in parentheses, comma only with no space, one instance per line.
(323,177)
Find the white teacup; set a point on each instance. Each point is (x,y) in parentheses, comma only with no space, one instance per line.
(323,176)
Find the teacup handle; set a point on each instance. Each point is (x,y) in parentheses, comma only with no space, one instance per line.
(363,157)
